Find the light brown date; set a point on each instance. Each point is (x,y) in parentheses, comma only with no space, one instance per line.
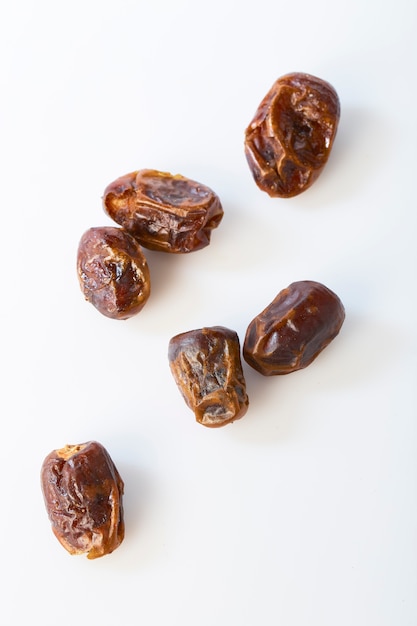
(289,140)
(83,491)
(207,368)
(292,331)
(113,272)
(162,211)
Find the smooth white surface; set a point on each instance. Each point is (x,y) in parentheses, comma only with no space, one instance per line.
(304,512)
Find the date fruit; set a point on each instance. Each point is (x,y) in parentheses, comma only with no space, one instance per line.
(164,212)
(207,368)
(292,331)
(289,140)
(83,492)
(113,272)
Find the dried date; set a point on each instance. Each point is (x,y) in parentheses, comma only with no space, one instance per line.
(164,212)
(83,492)
(289,140)
(207,368)
(292,331)
(113,272)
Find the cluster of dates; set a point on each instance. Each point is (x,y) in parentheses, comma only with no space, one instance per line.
(287,145)
(154,210)
(285,337)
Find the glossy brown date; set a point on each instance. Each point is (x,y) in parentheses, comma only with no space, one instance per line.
(289,140)
(292,331)
(164,212)
(83,491)
(113,272)
(207,368)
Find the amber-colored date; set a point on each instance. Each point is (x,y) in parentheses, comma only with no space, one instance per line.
(207,368)
(292,331)
(289,140)
(113,272)
(83,492)
(162,211)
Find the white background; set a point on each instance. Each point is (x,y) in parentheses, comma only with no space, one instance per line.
(303,513)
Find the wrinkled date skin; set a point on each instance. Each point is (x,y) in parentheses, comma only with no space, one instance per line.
(164,212)
(83,492)
(289,140)
(207,368)
(292,331)
(113,272)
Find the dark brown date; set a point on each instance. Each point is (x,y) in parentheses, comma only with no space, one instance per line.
(83,492)
(113,272)
(162,211)
(292,331)
(207,368)
(289,140)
